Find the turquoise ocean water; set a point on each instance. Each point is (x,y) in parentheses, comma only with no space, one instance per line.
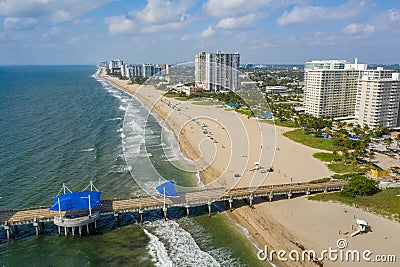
(63,124)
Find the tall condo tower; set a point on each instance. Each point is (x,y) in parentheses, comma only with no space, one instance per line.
(217,71)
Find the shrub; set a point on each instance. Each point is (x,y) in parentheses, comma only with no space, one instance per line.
(360,186)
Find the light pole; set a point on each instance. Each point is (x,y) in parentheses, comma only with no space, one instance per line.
(90,208)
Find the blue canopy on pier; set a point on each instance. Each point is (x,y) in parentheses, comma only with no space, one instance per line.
(169,189)
(76,200)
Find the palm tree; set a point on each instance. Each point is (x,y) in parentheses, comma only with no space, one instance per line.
(398,141)
(388,142)
(334,155)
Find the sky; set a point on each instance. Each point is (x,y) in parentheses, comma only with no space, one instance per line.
(173,31)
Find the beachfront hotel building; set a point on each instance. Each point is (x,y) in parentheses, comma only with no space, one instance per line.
(341,90)
(378,98)
(331,87)
(217,71)
(114,66)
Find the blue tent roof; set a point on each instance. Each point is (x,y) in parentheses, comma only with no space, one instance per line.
(169,189)
(267,114)
(76,200)
(232,105)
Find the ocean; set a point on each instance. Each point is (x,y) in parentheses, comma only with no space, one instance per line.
(63,124)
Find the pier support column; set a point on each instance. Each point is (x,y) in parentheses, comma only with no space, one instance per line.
(80,230)
(116,217)
(95,225)
(165,213)
(66,231)
(87,228)
(7,228)
(271,196)
(141,215)
(59,230)
(209,209)
(230,204)
(73,231)
(187,210)
(289,195)
(251,201)
(36,225)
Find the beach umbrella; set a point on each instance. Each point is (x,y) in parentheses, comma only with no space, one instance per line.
(167,189)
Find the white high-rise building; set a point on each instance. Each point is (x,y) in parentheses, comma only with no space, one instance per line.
(115,66)
(217,71)
(331,87)
(378,97)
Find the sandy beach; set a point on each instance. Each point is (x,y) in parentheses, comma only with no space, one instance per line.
(225,145)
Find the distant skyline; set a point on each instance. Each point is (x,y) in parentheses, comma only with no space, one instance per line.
(161,31)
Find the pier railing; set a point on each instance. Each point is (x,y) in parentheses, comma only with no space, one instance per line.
(187,200)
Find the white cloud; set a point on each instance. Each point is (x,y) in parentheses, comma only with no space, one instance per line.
(359,28)
(18,24)
(308,14)
(207,33)
(237,22)
(382,22)
(120,24)
(60,10)
(158,15)
(160,11)
(221,8)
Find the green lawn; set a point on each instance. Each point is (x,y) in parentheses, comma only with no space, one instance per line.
(385,203)
(176,96)
(246,112)
(300,136)
(340,167)
(289,124)
(323,156)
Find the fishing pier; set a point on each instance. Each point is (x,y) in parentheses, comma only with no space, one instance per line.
(81,220)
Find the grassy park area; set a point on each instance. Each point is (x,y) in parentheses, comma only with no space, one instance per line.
(310,140)
(385,202)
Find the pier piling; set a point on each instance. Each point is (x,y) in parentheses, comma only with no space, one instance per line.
(36,225)
(187,206)
(251,201)
(230,204)
(116,219)
(7,228)
(209,208)
(141,215)
(165,213)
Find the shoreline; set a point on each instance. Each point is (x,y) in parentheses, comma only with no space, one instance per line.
(271,228)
